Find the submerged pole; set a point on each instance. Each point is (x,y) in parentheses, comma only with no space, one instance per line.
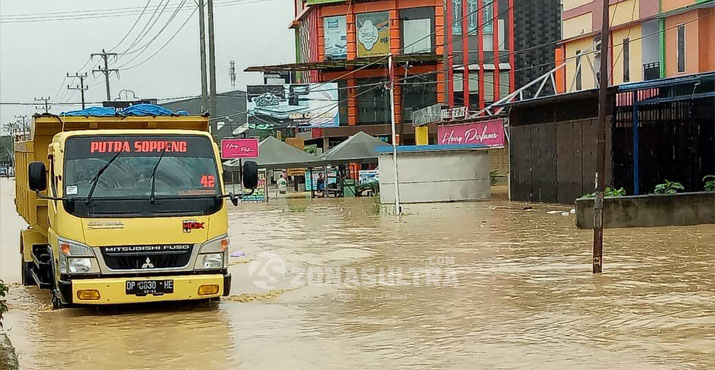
(398,209)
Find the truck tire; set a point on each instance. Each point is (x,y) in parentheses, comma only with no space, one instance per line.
(26,277)
(56,301)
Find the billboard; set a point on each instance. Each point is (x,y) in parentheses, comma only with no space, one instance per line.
(489,133)
(296,105)
(373,34)
(336,37)
(239,148)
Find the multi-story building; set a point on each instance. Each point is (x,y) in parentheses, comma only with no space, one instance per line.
(649,39)
(347,41)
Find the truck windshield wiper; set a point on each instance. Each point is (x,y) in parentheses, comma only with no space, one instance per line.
(152,197)
(95,180)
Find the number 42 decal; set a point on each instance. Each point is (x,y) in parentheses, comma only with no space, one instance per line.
(208,181)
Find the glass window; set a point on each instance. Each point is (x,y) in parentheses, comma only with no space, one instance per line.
(489,86)
(417,30)
(502,38)
(418,93)
(458,78)
(681,48)
(626,60)
(503,84)
(169,166)
(373,101)
(579,83)
(343,102)
(457,17)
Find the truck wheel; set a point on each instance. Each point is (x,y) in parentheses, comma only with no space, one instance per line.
(26,277)
(56,301)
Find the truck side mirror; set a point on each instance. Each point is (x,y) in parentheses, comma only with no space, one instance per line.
(37,176)
(250,175)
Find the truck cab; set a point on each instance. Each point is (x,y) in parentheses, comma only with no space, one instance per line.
(132,214)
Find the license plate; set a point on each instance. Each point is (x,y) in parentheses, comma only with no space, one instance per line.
(145,287)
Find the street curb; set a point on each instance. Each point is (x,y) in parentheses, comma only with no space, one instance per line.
(8,358)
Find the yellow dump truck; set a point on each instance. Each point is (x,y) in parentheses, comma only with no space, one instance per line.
(124,209)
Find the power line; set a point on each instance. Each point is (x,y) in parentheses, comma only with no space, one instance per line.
(132,27)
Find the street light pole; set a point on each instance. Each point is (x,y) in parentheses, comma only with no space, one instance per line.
(398,209)
(600,177)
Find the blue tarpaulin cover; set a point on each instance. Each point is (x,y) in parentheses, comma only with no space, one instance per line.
(134,110)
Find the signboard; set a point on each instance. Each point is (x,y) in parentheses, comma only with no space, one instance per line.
(239,148)
(489,133)
(336,38)
(296,105)
(373,34)
(368,176)
(259,194)
(423,116)
(454,113)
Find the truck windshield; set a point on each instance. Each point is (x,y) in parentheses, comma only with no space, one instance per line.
(182,169)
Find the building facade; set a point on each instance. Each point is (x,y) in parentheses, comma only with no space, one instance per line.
(348,41)
(649,39)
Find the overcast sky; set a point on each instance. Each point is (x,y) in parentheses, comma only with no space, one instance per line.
(35,56)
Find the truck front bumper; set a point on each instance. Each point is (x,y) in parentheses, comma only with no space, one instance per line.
(113,290)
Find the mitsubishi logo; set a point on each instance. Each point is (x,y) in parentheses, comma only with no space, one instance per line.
(147,264)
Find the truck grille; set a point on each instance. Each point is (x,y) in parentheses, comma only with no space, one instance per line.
(147,257)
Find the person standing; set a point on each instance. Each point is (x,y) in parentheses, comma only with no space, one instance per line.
(282,185)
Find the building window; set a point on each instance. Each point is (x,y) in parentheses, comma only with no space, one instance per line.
(458,93)
(681,48)
(418,93)
(417,29)
(504,84)
(373,101)
(651,71)
(343,102)
(488,86)
(579,83)
(626,60)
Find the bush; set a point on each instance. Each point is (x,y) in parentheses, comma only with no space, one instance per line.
(668,187)
(3,303)
(607,193)
(709,182)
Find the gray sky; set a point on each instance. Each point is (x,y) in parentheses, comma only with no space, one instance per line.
(35,56)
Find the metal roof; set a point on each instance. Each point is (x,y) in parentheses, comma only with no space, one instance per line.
(342,64)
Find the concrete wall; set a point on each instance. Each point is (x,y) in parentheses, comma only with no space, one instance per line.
(436,176)
(650,210)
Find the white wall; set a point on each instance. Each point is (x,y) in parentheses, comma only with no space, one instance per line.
(444,176)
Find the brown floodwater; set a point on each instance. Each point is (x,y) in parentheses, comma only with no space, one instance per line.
(334,284)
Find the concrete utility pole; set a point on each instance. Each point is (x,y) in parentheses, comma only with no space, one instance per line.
(232,74)
(445,61)
(398,209)
(212,70)
(202,37)
(45,104)
(23,124)
(79,87)
(106,70)
(601,146)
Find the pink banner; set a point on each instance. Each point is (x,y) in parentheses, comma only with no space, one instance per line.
(489,133)
(239,148)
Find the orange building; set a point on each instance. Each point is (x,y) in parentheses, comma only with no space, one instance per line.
(649,39)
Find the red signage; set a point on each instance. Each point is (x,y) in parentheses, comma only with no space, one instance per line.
(239,148)
(489,133)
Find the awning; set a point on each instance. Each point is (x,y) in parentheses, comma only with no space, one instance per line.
(357,148)
(342,64)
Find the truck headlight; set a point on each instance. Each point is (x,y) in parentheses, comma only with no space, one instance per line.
(212,255)
(76,258)
(211,261)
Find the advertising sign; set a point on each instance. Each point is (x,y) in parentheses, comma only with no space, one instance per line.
(368,176)
(489,133)
(239,148)
(297,105)
(336,37)
(423,116)
(373,34)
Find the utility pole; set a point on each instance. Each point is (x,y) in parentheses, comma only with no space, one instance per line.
(398,209)
(106,70)
(24,124)
(445,61)
(45,104)
(600,178)
(79,87)
(202,37)
(232,74)
(212,70)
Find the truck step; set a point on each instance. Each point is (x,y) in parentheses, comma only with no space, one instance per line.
(42,262)
(40,284)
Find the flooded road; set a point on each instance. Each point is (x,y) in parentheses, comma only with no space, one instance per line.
(332,284)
